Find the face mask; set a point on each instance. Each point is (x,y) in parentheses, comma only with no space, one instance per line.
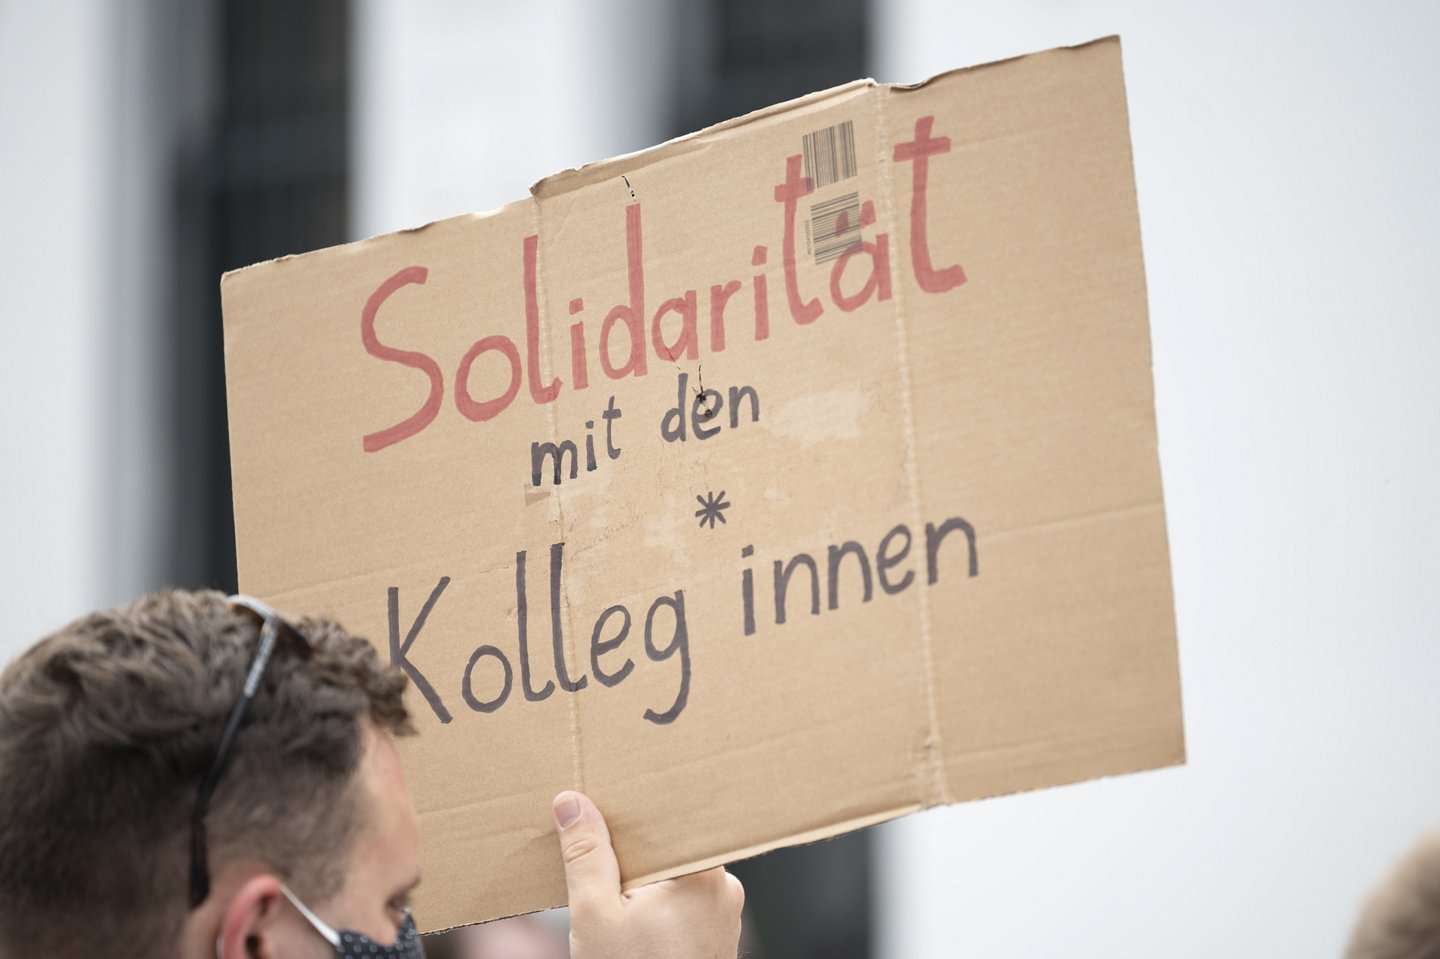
(406,946)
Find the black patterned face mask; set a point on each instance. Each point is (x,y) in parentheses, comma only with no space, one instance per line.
(347,944)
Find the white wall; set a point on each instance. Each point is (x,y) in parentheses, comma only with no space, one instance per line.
(1286,157)
(83,367)
(55,270)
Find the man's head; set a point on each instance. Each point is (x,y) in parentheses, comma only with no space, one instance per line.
(107,729)
(1401,919)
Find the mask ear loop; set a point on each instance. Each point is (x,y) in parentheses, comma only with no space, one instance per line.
(331,936)
(320,925)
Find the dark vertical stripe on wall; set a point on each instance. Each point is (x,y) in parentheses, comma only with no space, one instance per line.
(263,174)
(741,55)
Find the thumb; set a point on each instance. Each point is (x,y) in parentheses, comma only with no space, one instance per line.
(592,875)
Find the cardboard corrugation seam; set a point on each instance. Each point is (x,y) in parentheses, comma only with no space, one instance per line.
(891,341)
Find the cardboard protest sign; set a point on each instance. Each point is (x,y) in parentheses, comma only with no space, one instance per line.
(780,480)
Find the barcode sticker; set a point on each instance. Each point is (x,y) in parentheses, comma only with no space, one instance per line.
(830,154)
(834,227)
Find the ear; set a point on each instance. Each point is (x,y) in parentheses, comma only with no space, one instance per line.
(253,924)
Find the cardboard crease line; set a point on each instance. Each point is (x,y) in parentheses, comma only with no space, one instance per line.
(282,597)
(577,771)
(939,791)
(1092,517)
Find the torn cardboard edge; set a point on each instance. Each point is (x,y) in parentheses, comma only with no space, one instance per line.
(600,170)
(841,827)
(574,178)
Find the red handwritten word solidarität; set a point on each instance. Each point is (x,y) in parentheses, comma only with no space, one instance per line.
(632,315)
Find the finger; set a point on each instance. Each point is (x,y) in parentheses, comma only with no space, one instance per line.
(737,890)
(713,887)
(592,875)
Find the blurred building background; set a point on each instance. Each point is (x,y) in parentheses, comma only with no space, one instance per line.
(1285,155)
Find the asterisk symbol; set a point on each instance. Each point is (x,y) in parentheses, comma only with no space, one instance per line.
(712,507)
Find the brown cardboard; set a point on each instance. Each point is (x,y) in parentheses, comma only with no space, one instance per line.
(986,400)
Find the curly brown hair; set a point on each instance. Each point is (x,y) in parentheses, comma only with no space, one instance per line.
(107,728)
